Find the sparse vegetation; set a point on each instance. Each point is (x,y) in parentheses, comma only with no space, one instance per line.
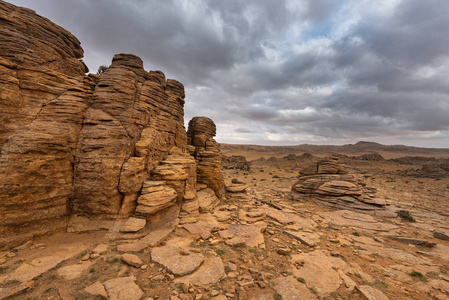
(417,274)
(3,269)
(356,233)
(102,69)
(277,296)
(300,279)
(219,251)
(405,215)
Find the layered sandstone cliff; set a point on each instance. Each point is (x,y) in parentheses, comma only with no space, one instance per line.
(87,148)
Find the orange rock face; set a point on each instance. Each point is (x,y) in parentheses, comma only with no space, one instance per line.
(44,98)
(329,183)
(207,152)
(83,145)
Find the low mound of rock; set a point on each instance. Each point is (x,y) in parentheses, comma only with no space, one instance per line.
(432,170)
(329,183)
(235,162)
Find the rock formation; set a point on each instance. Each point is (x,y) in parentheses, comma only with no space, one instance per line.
(207,152)
(90,149)
(235,162)
(329,183)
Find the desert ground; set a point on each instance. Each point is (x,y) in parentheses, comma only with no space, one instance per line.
(258,244)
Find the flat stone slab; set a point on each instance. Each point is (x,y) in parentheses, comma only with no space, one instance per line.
(74,271)
(206,222)
(371,293)
(101,249)
(396,254)
(320,270)
(308,239)
(131,247)
(132,260)
(418,242)
(210,272)
(442,235)
(97,289)
(175,260)
(357,220)
(27,271)
(290,288)
(6,293)
(133,225)
(155,236)
(246,234)
(123,288)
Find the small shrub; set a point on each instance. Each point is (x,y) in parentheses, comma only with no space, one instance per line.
(356,233)
(219,251)
(277,296)
(275,176)
(417,274)
(405,215)
(300,279)
(3,269)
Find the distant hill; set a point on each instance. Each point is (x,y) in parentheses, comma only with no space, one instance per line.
(360,148)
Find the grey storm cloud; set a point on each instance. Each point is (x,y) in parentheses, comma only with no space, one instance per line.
(285,72)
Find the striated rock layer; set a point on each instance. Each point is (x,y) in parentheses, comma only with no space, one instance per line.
(329,183)
(88,148)
(44,98)
(206,150)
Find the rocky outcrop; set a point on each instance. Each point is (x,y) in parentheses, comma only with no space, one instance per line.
(235,162)
(206,150)
(44,97)
(91,149)
(329,183)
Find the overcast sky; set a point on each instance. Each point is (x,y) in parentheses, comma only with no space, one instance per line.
(284,72)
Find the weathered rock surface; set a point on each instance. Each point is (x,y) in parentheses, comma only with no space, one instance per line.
(133,225)
(132,260)
(235,162)
(176,261)
(83,150)
(200,134)
(210,272)
(123,288)
(97,290)
(329,183)
(155,197)
(74,271)
(290,288)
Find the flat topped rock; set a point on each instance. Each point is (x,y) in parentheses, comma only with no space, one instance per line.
(210,272)
(356,220)
(371,293)
(308,239)
(132,260)
(291,288)
(27,271)
(320,270)
(123,288)
(175,259)
(236,188)
(97,290)
(133,225)
(245,235)
(74,271)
